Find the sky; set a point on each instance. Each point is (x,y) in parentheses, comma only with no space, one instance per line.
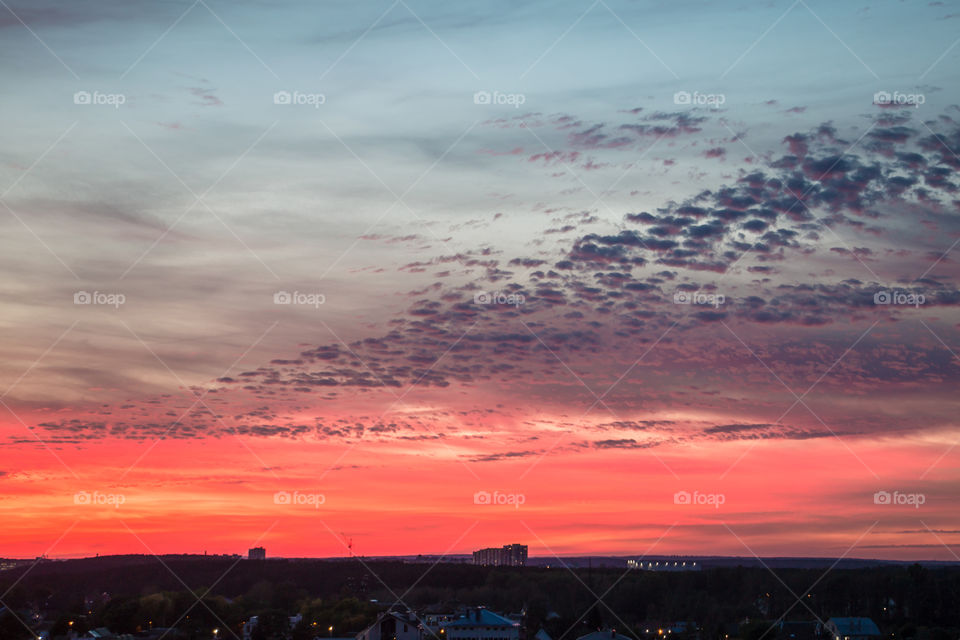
(418,277)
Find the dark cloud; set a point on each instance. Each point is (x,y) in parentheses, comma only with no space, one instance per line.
(607,292)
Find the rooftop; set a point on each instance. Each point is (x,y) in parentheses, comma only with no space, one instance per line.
(855,626)
(482,616)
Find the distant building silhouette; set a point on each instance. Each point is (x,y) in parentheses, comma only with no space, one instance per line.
(257,553)
(509,555)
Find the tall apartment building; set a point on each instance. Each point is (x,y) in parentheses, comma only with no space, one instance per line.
(509,555)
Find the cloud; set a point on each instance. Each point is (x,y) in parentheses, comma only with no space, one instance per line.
(606,295)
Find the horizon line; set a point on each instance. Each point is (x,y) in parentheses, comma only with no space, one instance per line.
(467,555)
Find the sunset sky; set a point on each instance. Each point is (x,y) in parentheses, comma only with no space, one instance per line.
(298,273)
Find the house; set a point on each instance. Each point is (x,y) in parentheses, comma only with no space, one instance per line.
(479,623)
(432,621)
(392,625)
(852,629)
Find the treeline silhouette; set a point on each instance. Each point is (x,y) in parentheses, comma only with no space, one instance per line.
(197,594)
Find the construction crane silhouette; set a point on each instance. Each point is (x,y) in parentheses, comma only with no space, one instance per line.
(349,542)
